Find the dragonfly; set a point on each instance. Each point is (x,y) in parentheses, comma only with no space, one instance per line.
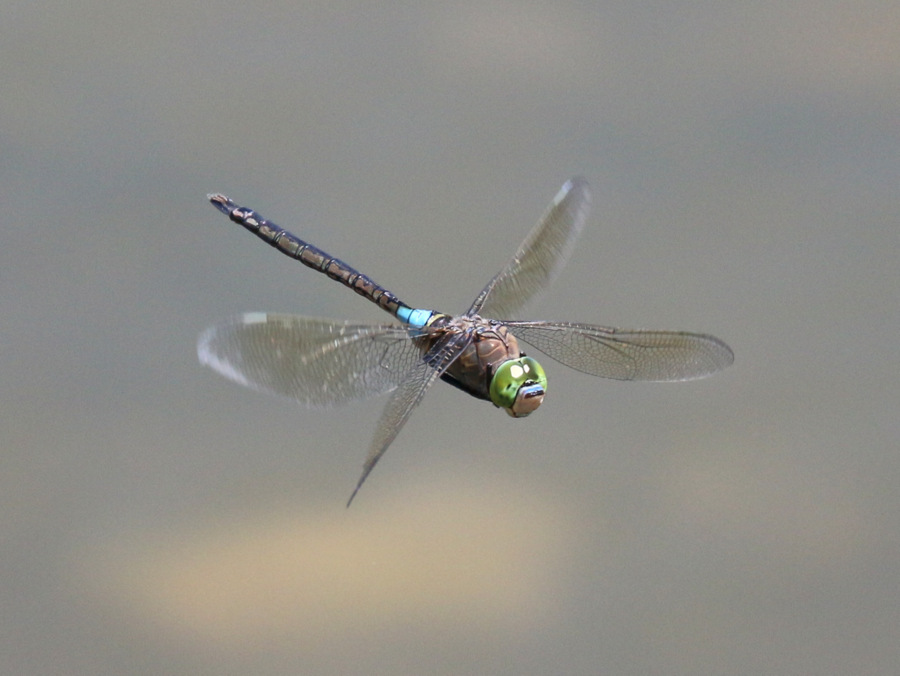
(323,362)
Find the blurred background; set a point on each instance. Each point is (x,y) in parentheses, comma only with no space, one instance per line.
(744,160)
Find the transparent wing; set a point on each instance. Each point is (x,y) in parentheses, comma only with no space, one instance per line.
(318,362)
(413,387)
(541,256)
(624,354)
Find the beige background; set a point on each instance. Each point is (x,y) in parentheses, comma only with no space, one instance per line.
(744,159)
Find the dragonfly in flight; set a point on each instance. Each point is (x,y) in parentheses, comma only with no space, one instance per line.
(321,362)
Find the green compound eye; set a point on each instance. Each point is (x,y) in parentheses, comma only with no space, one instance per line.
(519,386)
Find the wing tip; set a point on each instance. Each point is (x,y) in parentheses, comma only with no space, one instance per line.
(574,184)
(717,357)
(359,484)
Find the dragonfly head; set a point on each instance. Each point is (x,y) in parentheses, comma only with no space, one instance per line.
(518,386)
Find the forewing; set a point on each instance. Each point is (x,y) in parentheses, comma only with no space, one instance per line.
(627,354)
(541,256)
(318,362)
(409,393)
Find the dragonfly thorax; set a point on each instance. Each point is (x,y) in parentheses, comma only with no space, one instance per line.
(492,367)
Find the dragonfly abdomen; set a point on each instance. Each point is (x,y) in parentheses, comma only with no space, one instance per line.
(313,257)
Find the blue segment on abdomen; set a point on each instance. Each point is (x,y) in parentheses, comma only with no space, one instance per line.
(413,317)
